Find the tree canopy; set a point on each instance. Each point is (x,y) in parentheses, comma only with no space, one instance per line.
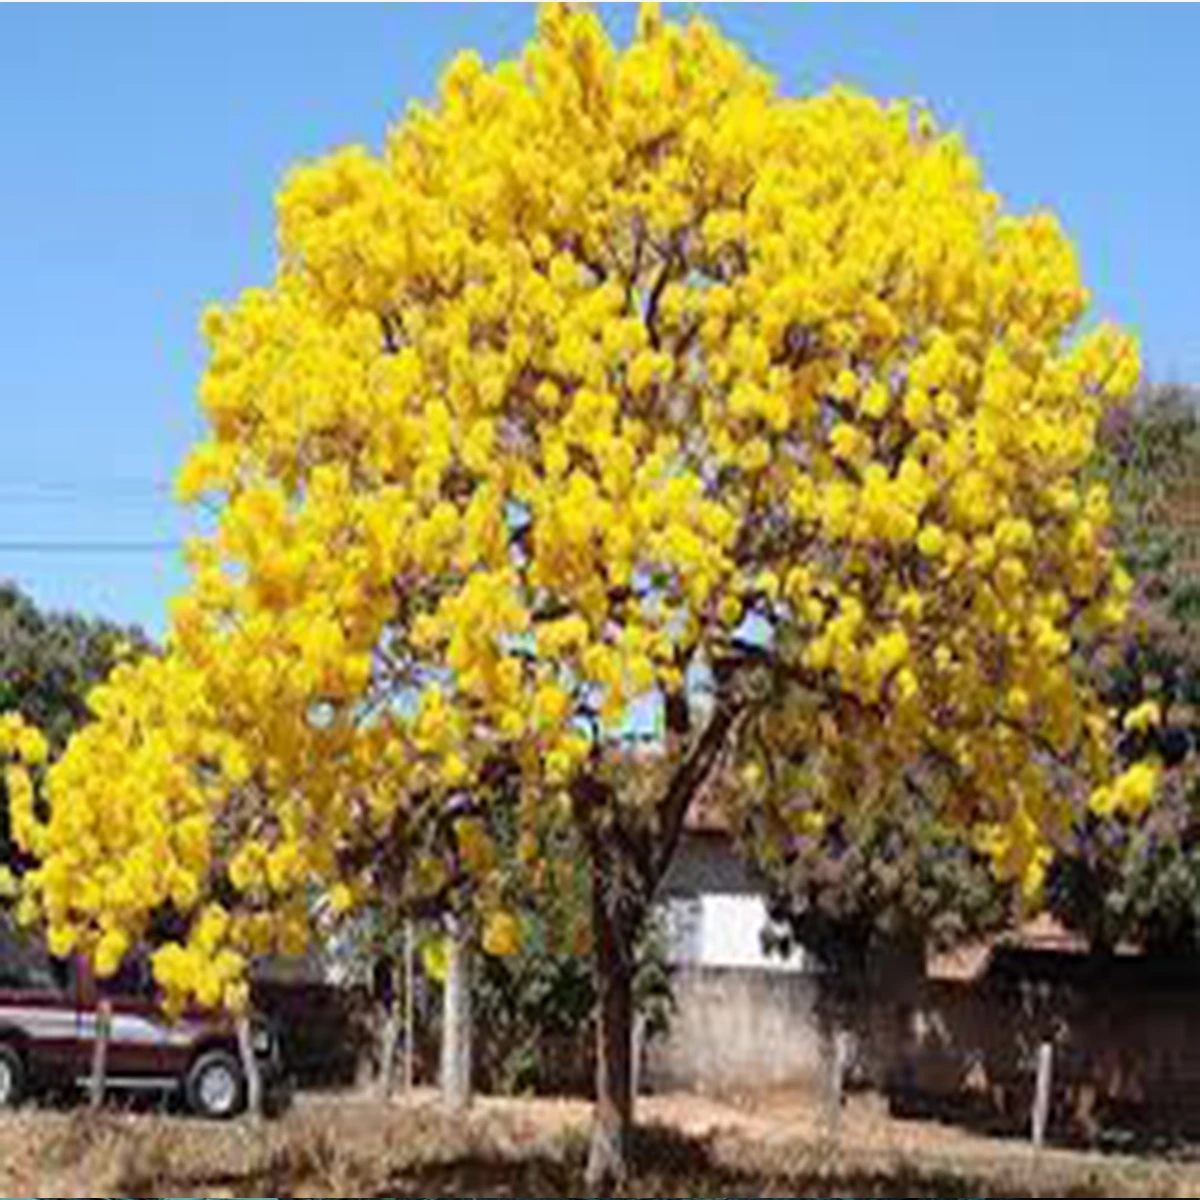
(1136,878)
(49,661)
(48,664)
(616,391)
(897,877)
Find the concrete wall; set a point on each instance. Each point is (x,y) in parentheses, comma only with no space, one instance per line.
(1126,1039)
(738,1029)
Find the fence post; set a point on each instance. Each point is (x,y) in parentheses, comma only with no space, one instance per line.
(390,1033)
(408,1006)
(103,1030)
(456,1017)
(840,1060)
(254,1089)
(638,1033)
(1041,1095)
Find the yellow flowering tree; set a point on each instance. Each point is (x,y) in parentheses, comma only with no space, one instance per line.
(617,393)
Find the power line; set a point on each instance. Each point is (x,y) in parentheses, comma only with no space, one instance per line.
(36,492)
(112,485)
(105,547)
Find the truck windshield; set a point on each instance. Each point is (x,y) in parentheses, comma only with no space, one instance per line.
(25,964)
(134,980)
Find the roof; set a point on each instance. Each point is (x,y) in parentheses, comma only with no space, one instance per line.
(709,810)
(1042,933)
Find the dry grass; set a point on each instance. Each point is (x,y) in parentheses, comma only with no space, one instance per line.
(688,1146)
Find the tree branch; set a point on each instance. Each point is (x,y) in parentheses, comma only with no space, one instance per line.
(656,292)
(688,776)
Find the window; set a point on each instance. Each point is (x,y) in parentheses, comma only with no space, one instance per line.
(133,980)
(24,965)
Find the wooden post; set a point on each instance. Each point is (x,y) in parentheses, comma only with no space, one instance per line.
(639,1045)
(839,1061)
(1041,1096)
(103,1031)
(409,1007)
(389,1036)
(254,1090)
(456,1018)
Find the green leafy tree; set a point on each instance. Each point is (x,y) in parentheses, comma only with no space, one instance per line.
(1138,880)
(886,880)
(536,1005)
(48,664)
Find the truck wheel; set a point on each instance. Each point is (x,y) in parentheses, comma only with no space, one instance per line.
(12,1076)
(215,1086)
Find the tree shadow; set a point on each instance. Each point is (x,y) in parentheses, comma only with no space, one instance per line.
(666,1162)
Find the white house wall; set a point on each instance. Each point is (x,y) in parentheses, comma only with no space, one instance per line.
(716,930)
(715,909)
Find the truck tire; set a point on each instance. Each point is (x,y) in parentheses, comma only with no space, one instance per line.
(216,1085)
(12,1076)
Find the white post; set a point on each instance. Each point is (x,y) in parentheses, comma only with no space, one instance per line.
(254,1092)
(390,1035)
(635,1057)
(837,1079)
(1041,1097)
(456,1018)
(103,1030)
(408,1006)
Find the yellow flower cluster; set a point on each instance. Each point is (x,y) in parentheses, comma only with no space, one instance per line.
(611,359)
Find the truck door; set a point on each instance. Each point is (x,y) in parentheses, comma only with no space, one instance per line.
(37,997)
(139,1044)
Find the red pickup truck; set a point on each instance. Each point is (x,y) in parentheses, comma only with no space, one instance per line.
(48,1013)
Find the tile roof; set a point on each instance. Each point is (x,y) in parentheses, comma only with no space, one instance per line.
(1043,932)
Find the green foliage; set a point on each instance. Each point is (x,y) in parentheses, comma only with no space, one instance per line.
(892,877)
(49,661)
(535,1009)
(1139,880)
(48,664)
(535,1012)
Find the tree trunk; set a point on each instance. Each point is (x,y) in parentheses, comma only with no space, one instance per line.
(456,1019)
(608,1156)
(254,1089)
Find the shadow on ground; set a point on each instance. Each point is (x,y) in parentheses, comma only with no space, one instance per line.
(665,1163)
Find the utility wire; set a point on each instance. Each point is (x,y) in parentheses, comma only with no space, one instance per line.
(114,484)
(59,497)
(98,547)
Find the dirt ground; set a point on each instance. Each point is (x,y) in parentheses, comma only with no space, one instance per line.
(347,1144)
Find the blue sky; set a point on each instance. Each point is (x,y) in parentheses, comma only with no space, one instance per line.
(142,145)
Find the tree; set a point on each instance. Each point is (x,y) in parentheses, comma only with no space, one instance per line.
(1137,879)
(48,663)
(867,894)
(616,393)
(536,997)
(892,878)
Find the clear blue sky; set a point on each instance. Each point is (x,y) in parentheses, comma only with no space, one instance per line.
(141,145)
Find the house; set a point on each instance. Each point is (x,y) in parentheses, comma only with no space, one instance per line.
(1123,1028)
(743,1018)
